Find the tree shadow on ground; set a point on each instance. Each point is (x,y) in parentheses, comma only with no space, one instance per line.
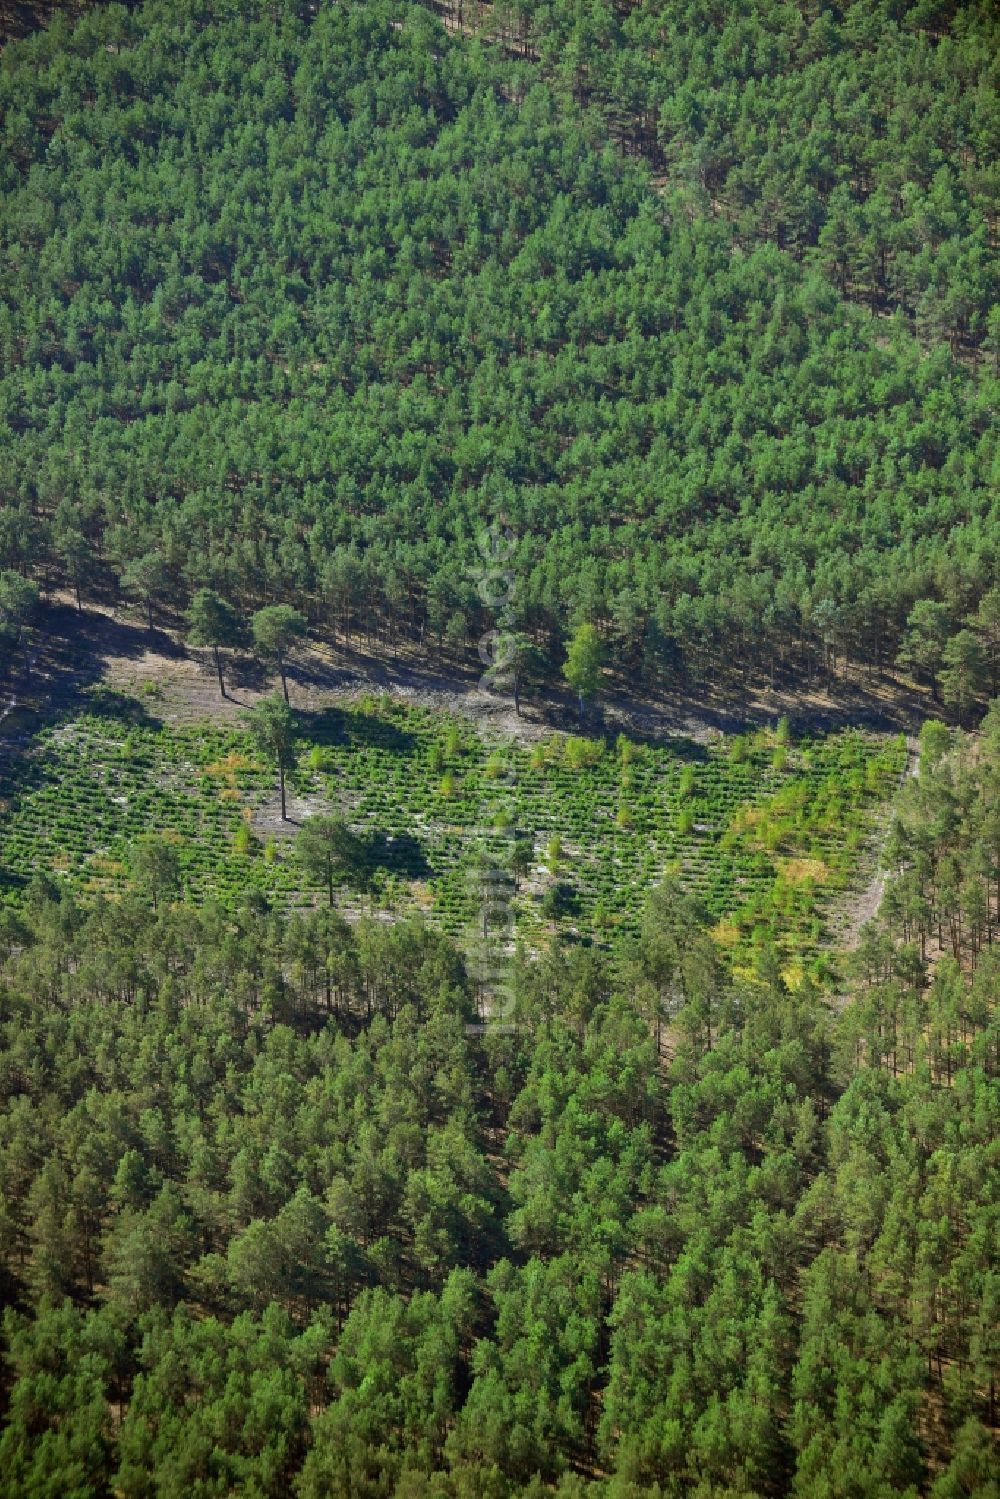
(119,707)
(68,654)
(247,674)
(350,726)
(681,748)
(11,883)
(560,901)
(398,853)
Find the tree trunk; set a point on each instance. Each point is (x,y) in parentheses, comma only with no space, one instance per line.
(218,667)
(149,615)
(284,680)
(281,783)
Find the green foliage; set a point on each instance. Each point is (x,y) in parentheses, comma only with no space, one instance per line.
(828,132)
(760,842)
(580,753)
(296,297)
(293,296)
(584,659)
(276,629)
(935,742)
(18,601)
(328,851)
(496,765)
(148,579)
(272,728)
(213,622)
(57,1430)
(927,631)
(964,671)
(156,866)
(279,1219)
(243,1422)
(942,857)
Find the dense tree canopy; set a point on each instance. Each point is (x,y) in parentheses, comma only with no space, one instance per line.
(862,136)
(299,304)
(298,298)
(277,1218)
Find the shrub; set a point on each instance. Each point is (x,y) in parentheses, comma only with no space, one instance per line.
(320,759)
(580,753)
(496,765)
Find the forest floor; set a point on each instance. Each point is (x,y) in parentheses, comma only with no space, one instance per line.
(71,651)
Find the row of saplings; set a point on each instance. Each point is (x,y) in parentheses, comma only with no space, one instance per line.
(325,844)
(328,847)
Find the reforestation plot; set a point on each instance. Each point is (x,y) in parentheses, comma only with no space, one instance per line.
(582,827)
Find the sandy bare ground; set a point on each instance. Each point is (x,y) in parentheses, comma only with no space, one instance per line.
(71,652)
(74,651)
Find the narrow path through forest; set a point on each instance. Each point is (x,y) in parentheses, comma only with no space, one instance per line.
(861,906)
